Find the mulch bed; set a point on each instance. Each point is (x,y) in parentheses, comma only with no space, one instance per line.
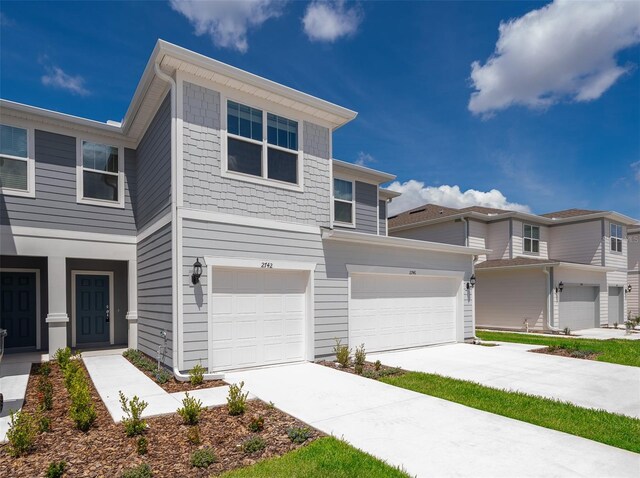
(105,451)
(565,352)
(368,370)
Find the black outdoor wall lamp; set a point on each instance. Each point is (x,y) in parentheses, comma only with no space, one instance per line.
(197,272)
(472,282)
(628,289)
(560,287)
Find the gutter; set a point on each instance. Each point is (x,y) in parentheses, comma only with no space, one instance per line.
(548,290)
(175,342)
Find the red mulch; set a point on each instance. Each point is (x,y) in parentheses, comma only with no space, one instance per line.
(105,451)
(368,370)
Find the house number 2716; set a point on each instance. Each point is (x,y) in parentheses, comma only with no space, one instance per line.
(267,265)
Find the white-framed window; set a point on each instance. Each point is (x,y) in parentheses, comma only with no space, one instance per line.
(531,235)
(262,147)
(616,237)
(344,213)
(17,165)
(100,173)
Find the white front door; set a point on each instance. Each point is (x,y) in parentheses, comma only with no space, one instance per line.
(388,312)
(257,317)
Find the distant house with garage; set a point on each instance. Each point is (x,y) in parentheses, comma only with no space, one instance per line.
(213,213)
(633,248)
(544,272)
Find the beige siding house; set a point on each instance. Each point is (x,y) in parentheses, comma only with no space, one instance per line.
(569,268)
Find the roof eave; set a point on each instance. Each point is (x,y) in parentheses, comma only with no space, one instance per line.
(366,173)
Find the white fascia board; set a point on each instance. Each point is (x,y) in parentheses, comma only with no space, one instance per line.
(518,267)
(361,172)
(390,241)
(403,271)
(587,267)
(389,194)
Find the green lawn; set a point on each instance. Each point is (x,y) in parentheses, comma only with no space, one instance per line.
(620,351)
(616,430)
(325,457)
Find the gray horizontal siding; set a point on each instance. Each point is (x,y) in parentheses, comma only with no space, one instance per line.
(382,217)
(154,168)
(55,205)
(155,292)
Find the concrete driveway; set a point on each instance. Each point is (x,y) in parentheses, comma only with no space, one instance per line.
(425,435)
(587,383)
(603,333)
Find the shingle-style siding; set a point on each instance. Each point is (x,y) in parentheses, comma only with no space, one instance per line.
(366,207)
(449,232)
(578,242)
(155,292)
(382,217)
(55,205)
(205,188)
(154,168)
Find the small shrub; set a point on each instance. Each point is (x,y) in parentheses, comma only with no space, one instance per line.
(343,354)
(140,471)
(191,409)
(45,392)
(196,374)
(615,325)
(236,400)
(299,434)
(44,423)
(566,331)
(133,423)
(45,369)
(360,357)
(69,372)
(21,434)
(140,360)
(63,357)
(142,446)
(82,410)
(56,469)
(253,445)
(271,405)
(203,458)
(377,365)
(193,435)
(256,424)
(162,376)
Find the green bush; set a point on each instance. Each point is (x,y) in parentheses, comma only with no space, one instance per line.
(133,423)
(56,469)
(299,434)
(566,331)
(21,434)
(82,410)
(343,354)
(191,409)
(69,373)
(193,435)
(144,363)
(196,374)
(256,424)
(45,392)
(63,357)
(236,400)
(203,458)
(360,358)
(140,471)
(162,375)
(45,369)
(377,365)
(142,446)
(254,445)
(44,423)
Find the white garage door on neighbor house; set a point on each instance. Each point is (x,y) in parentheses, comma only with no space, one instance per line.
(578,307)
(388,312)
(257,317)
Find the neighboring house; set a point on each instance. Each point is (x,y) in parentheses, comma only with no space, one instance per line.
(544,272)
(633,247)
(104,224)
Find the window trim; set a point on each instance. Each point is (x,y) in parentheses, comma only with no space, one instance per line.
(524,250)
(620,238)
(80,199)
(30,192)
(352,224)
(264,179)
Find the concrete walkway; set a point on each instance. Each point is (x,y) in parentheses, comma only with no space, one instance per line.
(603,333)
(587,383)
(113,373)
(426,436)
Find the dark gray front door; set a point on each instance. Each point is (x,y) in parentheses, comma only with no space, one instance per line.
(92,308)
(18,308)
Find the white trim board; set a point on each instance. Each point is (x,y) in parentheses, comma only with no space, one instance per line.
(404,271)
(237,262)
(30,192)
(112,320)
(38,300)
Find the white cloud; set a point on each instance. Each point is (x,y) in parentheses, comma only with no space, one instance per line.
(57,78)
(364,159)
(328,21)
(414,194)
(565,50)
(228,21)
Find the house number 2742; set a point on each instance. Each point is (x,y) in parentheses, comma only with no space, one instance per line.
(267,265)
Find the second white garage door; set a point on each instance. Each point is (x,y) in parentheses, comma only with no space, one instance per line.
(388,312)
(258,317)
(578,307)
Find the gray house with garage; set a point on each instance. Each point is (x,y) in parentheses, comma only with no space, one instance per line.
(214,214)
(544,272)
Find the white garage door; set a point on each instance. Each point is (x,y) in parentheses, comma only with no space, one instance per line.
(616,305)
(258,317)
(578,307)
(389,312)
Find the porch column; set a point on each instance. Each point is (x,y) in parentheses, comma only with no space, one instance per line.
(132,312)
(57,317)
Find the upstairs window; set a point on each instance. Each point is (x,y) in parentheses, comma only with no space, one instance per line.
(531,239)
(16,168)
(101,179)
(262,145)
(343,203)
(616,237)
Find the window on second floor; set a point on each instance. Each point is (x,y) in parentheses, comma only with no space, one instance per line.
(343,203)
(100,178)
(616,237)
(263,145)
(531,239)
(16,166)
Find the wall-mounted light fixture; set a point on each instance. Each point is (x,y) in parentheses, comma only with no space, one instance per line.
(197,272)
(628,289)
(472,282)
(560,287)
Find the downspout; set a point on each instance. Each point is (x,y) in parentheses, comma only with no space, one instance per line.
(548,290)
(181,377)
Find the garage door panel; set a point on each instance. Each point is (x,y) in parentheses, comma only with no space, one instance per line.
(578,307)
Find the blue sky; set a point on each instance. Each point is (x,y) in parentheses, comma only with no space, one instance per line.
(554,122)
